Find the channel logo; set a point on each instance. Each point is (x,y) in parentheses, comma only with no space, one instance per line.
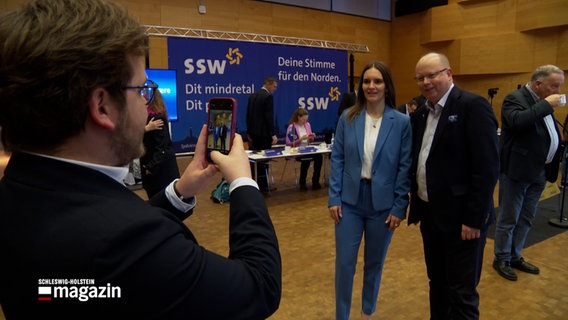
(76,290)
(44,294)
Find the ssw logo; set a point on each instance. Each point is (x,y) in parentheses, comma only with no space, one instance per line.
(309,103)
(204,66)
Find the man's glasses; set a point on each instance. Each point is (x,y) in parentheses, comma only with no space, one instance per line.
(148,90)
(429,77)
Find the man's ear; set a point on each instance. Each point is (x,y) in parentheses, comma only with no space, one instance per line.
(101,109)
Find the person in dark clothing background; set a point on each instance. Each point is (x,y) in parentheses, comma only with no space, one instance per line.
(529,145)
(159,164)
(260,125)
(348,99)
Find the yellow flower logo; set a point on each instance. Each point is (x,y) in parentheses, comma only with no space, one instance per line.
(234,56)
(334,93)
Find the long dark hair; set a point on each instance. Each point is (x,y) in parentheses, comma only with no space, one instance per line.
(389,89)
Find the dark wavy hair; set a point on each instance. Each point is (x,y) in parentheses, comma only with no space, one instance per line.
(53,54)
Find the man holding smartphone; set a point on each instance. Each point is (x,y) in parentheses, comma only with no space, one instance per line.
(83,246)
(260,125)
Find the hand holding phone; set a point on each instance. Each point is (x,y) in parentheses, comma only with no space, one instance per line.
(221,125)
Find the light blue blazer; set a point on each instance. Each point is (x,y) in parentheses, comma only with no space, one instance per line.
(390,182)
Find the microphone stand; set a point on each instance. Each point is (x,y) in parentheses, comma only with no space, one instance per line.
(561,221)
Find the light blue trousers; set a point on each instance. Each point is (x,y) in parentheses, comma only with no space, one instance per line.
(357,221)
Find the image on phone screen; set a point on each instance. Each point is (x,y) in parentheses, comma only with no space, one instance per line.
(220,124)
(219,129)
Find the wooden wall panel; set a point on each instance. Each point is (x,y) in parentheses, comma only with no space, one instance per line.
(487,17)
(545,44)
(182,17)
(506,53)
(441,24)
(145,10)
(254,17)
(563,49)
(289,21)
(541,14)
(158,53)
(406,33)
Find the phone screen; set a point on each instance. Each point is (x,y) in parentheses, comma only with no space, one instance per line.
(221,123)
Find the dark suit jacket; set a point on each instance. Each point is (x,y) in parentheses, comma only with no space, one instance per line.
(348,99)
(223,136)
(63,221)
(260,114)
(223,133)
(463,164)
(524,137)
(159,158)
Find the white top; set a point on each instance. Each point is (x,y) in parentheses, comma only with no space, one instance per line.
(372,127)
(302,131)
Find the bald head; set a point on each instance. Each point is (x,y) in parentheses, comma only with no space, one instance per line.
(435,58)
(434,76)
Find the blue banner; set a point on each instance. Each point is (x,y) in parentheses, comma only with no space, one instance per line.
(167,84)
(310,78)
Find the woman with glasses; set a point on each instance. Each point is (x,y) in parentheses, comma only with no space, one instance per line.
(158,164)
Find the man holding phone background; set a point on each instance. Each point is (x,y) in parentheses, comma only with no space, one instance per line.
(73,125)
(260,125)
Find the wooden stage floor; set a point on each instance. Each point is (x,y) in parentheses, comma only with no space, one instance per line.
(306,238)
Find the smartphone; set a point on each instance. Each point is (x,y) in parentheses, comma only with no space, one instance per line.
(221,125)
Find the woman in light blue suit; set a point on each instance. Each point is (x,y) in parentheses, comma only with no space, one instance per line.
(369,184)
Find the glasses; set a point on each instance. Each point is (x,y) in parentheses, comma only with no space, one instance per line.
(430,77)
(148,90)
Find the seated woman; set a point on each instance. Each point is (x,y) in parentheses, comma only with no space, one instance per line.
(299,133)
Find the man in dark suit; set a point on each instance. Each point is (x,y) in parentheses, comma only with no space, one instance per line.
(223,136)
(529,143)
(260,124)
(216,133)
(454,172)
(75,242)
